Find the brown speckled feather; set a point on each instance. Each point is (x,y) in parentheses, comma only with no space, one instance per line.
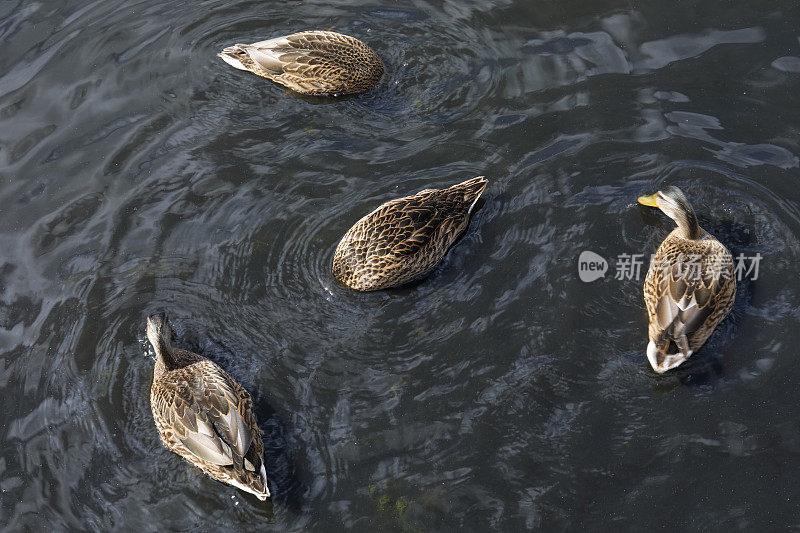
(685,303)
(404,238)
(206,417)
(310,62)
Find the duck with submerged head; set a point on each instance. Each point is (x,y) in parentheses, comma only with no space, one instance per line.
(204,415)
(310,62)
(690,286)
(405,238)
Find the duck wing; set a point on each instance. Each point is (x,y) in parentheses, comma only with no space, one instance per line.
(311,59)
(686,302)
(201,404)
(403,227)
(407,225)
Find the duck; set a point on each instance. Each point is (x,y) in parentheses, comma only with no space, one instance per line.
(310,62)
(203,414)
(405,238)
(690,286)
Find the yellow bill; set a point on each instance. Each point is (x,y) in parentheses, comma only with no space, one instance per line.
(648,200)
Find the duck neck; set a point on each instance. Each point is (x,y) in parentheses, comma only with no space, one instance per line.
(687,224)
(165,356)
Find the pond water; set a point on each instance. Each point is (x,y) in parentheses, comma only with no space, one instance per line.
(139,172)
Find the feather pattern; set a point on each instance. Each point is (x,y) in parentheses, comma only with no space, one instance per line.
(404,238)
(310,62)
(205,416)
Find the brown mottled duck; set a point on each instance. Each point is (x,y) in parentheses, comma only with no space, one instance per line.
(405,238)
(310,62)
(204,415)
(690,286)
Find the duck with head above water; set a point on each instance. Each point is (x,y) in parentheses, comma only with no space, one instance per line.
(204,415)
(310,62)
(690,286)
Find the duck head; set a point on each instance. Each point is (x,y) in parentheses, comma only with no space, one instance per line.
(160,334)
(673,203)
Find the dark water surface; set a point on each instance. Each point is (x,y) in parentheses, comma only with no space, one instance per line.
(138,172)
